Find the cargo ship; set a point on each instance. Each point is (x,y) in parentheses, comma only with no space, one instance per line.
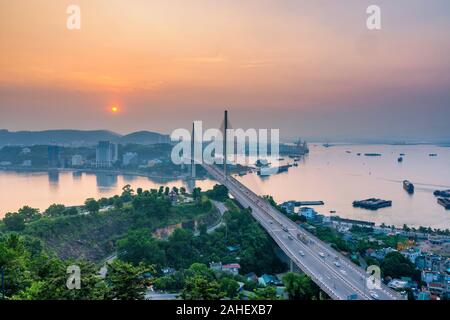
(408,186)
(442,193)
(445,202)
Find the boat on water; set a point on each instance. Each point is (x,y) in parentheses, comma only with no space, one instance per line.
(445,202)
(408,186)
(262,163)
(400,159)
(433,154)
(442,193)
(372,204)
(268,171)
(372,154)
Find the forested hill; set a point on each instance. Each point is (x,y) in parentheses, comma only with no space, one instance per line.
(78,137)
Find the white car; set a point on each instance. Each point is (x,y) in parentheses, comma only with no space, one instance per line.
(374,295)
(301,253)
(343,272)
(337,264)
(322,254)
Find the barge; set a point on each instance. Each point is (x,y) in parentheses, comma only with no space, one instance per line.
(445,202)
(372,204)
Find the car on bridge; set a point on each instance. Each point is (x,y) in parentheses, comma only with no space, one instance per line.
(322,255)
(301,253)
(374,295)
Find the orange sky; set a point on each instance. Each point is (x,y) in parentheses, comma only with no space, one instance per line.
(149,57)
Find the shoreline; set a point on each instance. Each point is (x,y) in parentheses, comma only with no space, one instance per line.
(84,170)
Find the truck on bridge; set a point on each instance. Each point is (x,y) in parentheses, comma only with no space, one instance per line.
(302,238)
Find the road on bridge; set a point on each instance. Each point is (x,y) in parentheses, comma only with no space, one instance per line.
(332,272)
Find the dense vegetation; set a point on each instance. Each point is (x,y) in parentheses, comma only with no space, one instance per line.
(37,248)
(254,248)
(91,233)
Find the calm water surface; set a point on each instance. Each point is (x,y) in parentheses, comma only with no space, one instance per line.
(329,174)
(338,178)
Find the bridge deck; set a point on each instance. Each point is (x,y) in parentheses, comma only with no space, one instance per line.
(314,257)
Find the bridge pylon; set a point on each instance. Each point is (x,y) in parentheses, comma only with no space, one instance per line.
(225,151)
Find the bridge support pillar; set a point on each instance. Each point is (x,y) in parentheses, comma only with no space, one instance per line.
(192,152)
(225,144)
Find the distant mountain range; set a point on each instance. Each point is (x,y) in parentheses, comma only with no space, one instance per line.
(78,137)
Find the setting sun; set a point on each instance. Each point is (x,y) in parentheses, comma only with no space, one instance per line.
(114,109)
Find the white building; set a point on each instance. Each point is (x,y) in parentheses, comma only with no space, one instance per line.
(106,154)
(128,158)
(26,163)
(25,151)
(308,213)
(77,160)
(154,162)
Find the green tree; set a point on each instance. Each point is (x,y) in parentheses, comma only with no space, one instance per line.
(126,282)
(395,265)
(50,283)
(180,250)
(196,193)
(29,214)
(91,205)
(201,288)
(229,287)
(219,193)
(267,293)
(138,246)
(127,193)
(14,221)
(300,287)
(14,258)
(118,203)
(55,210)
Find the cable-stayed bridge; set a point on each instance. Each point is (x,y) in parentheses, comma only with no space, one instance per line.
(334,273)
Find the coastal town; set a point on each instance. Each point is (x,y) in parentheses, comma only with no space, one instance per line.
(427,249)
